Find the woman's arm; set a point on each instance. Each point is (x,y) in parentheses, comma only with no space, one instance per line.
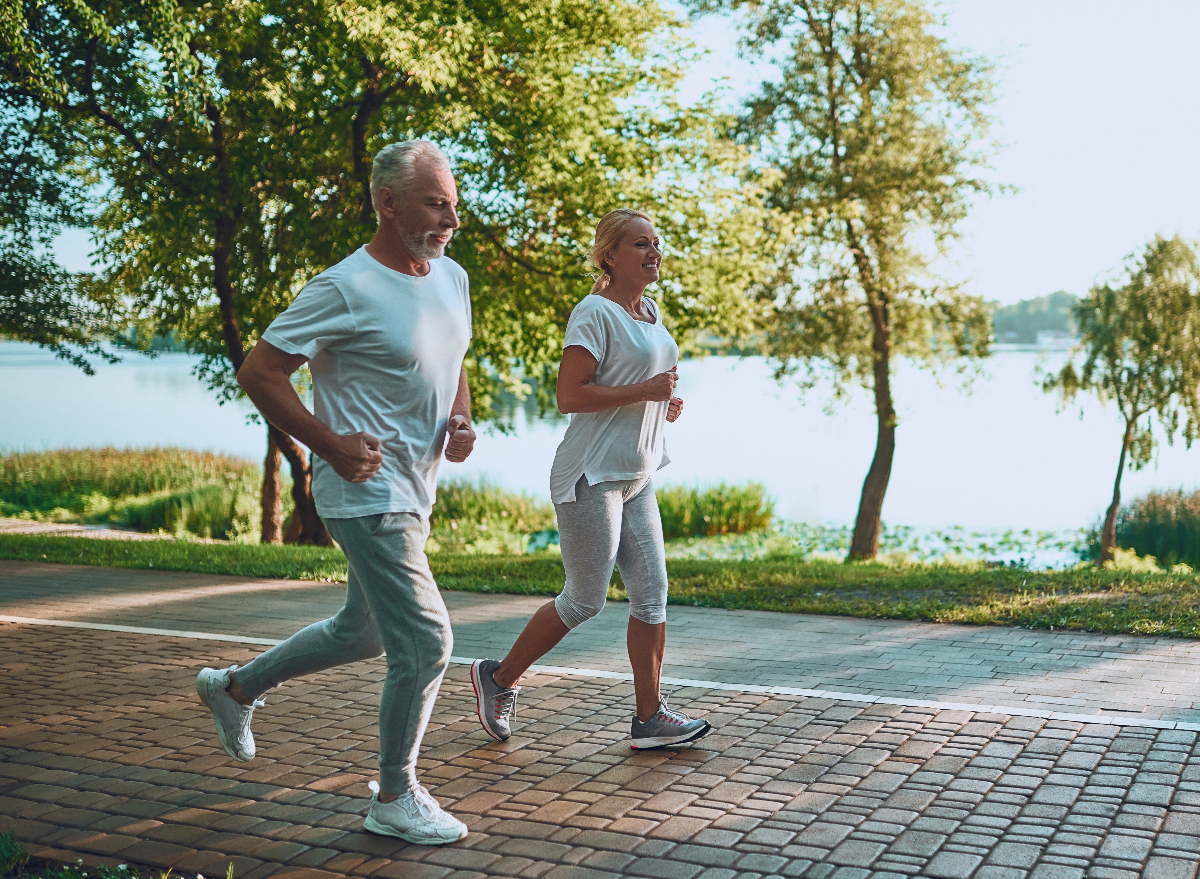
(577,394)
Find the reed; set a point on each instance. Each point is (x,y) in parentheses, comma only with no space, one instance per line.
(177,491)
(1163,524)
(479,518)
(718,509)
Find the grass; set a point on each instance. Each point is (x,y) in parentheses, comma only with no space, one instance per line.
(718,509)
(186,493)
(15,863)
(1161,524)
(1084,598)
(482,518)
(176,491)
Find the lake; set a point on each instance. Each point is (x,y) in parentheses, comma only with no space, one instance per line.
(1001,456)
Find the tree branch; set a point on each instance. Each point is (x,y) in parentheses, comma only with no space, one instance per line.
(105,116)
(504,251)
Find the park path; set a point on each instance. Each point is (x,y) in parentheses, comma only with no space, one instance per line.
(105,753)
(1119,676)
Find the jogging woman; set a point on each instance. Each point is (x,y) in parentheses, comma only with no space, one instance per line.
(617,381)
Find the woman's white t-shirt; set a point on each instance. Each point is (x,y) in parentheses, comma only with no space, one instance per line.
(626,442)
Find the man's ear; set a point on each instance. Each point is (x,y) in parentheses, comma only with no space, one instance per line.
(385,203)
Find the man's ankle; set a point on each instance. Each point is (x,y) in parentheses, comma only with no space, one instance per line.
(387,798)
(235,691)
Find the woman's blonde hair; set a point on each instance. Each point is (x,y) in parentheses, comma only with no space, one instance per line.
(609,232)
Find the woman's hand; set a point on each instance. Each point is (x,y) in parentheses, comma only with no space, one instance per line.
(675,409)
(661,388)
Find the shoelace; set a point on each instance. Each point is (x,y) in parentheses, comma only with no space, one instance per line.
(249,713)
(425,804)
(506,703)
(671,715)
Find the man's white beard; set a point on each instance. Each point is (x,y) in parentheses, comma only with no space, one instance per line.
(425,246)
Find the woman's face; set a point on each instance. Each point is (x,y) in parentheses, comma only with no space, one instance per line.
(638,256)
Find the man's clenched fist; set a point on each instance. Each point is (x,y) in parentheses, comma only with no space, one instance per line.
(460,439)
(355,457)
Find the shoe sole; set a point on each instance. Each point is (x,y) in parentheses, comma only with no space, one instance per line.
(202,692)
(663,741)
(373,826)
(477,686)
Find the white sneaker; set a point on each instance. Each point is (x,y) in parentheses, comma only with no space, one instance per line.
(414,817)
(232,718)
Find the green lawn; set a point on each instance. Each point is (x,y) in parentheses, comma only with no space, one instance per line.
(1100,601)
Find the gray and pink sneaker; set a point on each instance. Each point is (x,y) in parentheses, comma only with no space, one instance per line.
(667,727)
(494,704)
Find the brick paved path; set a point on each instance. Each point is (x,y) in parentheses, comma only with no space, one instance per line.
(106,754)
(1115,675)
(111,758)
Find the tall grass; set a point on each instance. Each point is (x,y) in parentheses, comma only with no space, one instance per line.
(188,493)
(718,509)
(1163,524)
(178,491)
(467,502)
(481,518)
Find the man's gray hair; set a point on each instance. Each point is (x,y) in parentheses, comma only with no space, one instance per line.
(395,166)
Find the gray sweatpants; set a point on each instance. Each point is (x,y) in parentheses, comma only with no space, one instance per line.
(612,523)
(393,607)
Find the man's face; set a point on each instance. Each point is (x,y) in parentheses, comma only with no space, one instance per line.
(425,215)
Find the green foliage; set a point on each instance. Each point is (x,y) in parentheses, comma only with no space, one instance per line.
(236,145)
(485,519)
(1021,322)
(1162,524)
(316,563)
(1140,345)
(718,509)
(178,491)
(13,856)
(48,173)
(899,544)
(879,129)
(1140,349)
(464,502)
(1083,598)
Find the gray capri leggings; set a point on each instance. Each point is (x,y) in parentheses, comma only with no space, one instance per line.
(612,522)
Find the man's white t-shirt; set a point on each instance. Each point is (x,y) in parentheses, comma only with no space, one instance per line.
(626,442)
(385,350)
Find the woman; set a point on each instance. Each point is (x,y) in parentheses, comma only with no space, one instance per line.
(616,379)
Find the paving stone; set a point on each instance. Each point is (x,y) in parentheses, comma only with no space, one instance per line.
(952,865)
(881,791)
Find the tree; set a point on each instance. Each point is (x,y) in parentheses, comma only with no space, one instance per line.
(236,153)
(877,127)
(1140,344)
(40,302)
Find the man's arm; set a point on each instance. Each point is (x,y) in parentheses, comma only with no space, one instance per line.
(461,437)
(265,376)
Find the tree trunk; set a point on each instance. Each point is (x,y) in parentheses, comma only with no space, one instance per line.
(868,524)
(1108,537)
(304,526)
(272,493)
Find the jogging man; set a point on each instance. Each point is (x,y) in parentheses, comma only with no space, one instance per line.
(384,333)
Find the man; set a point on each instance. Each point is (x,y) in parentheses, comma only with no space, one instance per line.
(384,332)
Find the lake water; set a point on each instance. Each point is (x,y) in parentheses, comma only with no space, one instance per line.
(1001,456)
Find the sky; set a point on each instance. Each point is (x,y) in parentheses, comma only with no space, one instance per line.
(1099,118)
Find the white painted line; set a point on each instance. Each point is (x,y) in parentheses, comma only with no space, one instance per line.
(1011,710)
(138,630)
